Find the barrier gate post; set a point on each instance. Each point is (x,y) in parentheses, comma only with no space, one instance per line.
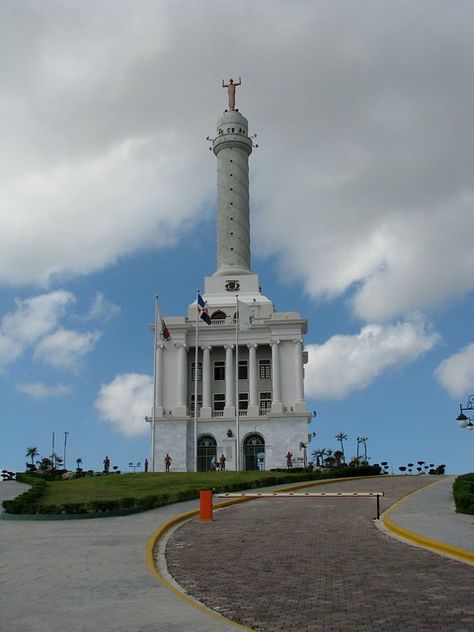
(205,505)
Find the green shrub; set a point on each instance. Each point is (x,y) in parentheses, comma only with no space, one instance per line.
(24,503)
(463,492)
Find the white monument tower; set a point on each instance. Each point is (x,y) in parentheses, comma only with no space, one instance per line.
(245,368)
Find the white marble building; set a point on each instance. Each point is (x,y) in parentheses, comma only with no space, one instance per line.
(268,394)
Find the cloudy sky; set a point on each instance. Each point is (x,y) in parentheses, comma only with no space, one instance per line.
(362,209)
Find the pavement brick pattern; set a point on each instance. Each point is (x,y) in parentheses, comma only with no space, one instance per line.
(321,566)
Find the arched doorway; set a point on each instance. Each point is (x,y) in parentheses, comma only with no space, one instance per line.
(254,452)
(206,453)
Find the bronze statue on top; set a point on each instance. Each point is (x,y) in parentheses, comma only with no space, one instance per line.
(231,91)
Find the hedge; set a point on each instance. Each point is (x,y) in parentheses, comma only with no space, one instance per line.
(463,492)
(27,503)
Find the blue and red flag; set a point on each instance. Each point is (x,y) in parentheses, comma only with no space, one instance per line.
(203,311)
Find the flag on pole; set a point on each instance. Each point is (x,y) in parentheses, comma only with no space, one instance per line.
(202,309)
(164,332)
(245,315)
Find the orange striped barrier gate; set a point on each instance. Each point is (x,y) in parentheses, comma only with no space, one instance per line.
(377,495)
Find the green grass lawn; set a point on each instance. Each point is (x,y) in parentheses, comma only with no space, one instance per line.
(115,486)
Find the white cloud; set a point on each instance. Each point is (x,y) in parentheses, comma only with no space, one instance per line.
(125,402)
(372,141)
(40,390)
(102,309)
(66,348)
(33,318)
(456,373)
(347,363)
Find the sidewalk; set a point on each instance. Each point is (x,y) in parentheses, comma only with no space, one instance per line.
(431,514)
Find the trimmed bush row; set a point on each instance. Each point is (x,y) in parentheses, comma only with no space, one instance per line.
(27,503)
(463,492)
(22,503)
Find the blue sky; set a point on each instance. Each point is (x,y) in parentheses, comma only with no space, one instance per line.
(361,197)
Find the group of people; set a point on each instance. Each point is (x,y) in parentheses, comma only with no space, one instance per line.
(218,465)
(214,465)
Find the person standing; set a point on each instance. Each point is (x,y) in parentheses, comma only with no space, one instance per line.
(222,461)
(289,460)
(168,461)
(106,464)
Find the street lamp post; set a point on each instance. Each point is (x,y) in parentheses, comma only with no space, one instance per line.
(463,420)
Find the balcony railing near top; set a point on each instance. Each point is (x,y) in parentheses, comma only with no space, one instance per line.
(242,413)
(219,322)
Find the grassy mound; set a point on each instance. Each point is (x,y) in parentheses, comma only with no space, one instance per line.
(128,492)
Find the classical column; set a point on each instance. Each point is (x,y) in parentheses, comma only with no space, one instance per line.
(181,408)
(159,381)
(276,389)
(229,410)
(206,410)
(253,395)
(300,404)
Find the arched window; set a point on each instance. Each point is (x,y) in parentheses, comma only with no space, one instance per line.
(206,453)
(254,452)
(219,315)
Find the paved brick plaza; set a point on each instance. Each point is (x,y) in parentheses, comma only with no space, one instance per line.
(321,566)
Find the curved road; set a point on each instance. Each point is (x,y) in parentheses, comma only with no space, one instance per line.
(322,565)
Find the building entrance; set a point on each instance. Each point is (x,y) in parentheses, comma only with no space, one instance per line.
(254,452)
(206,453)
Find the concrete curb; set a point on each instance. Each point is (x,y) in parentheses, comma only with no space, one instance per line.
(420,540)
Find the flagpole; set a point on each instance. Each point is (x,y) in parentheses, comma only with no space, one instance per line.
(155,344)
(237,425)
(196,384)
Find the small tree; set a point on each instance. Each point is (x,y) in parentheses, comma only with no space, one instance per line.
(45,464)
(338,455)
(410,467)
(341,437)
(330,461)
(79,463)
(402,469)
(32,453)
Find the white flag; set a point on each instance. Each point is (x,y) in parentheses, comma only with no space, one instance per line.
(245,316)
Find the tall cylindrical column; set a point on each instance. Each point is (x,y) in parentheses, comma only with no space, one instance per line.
(181,380)
(232,146)
(159,380)
(206,409)
(229,409)
(253,395)
(276,385)
(299,378)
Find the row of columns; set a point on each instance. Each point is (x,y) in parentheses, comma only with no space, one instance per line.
(229,410)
